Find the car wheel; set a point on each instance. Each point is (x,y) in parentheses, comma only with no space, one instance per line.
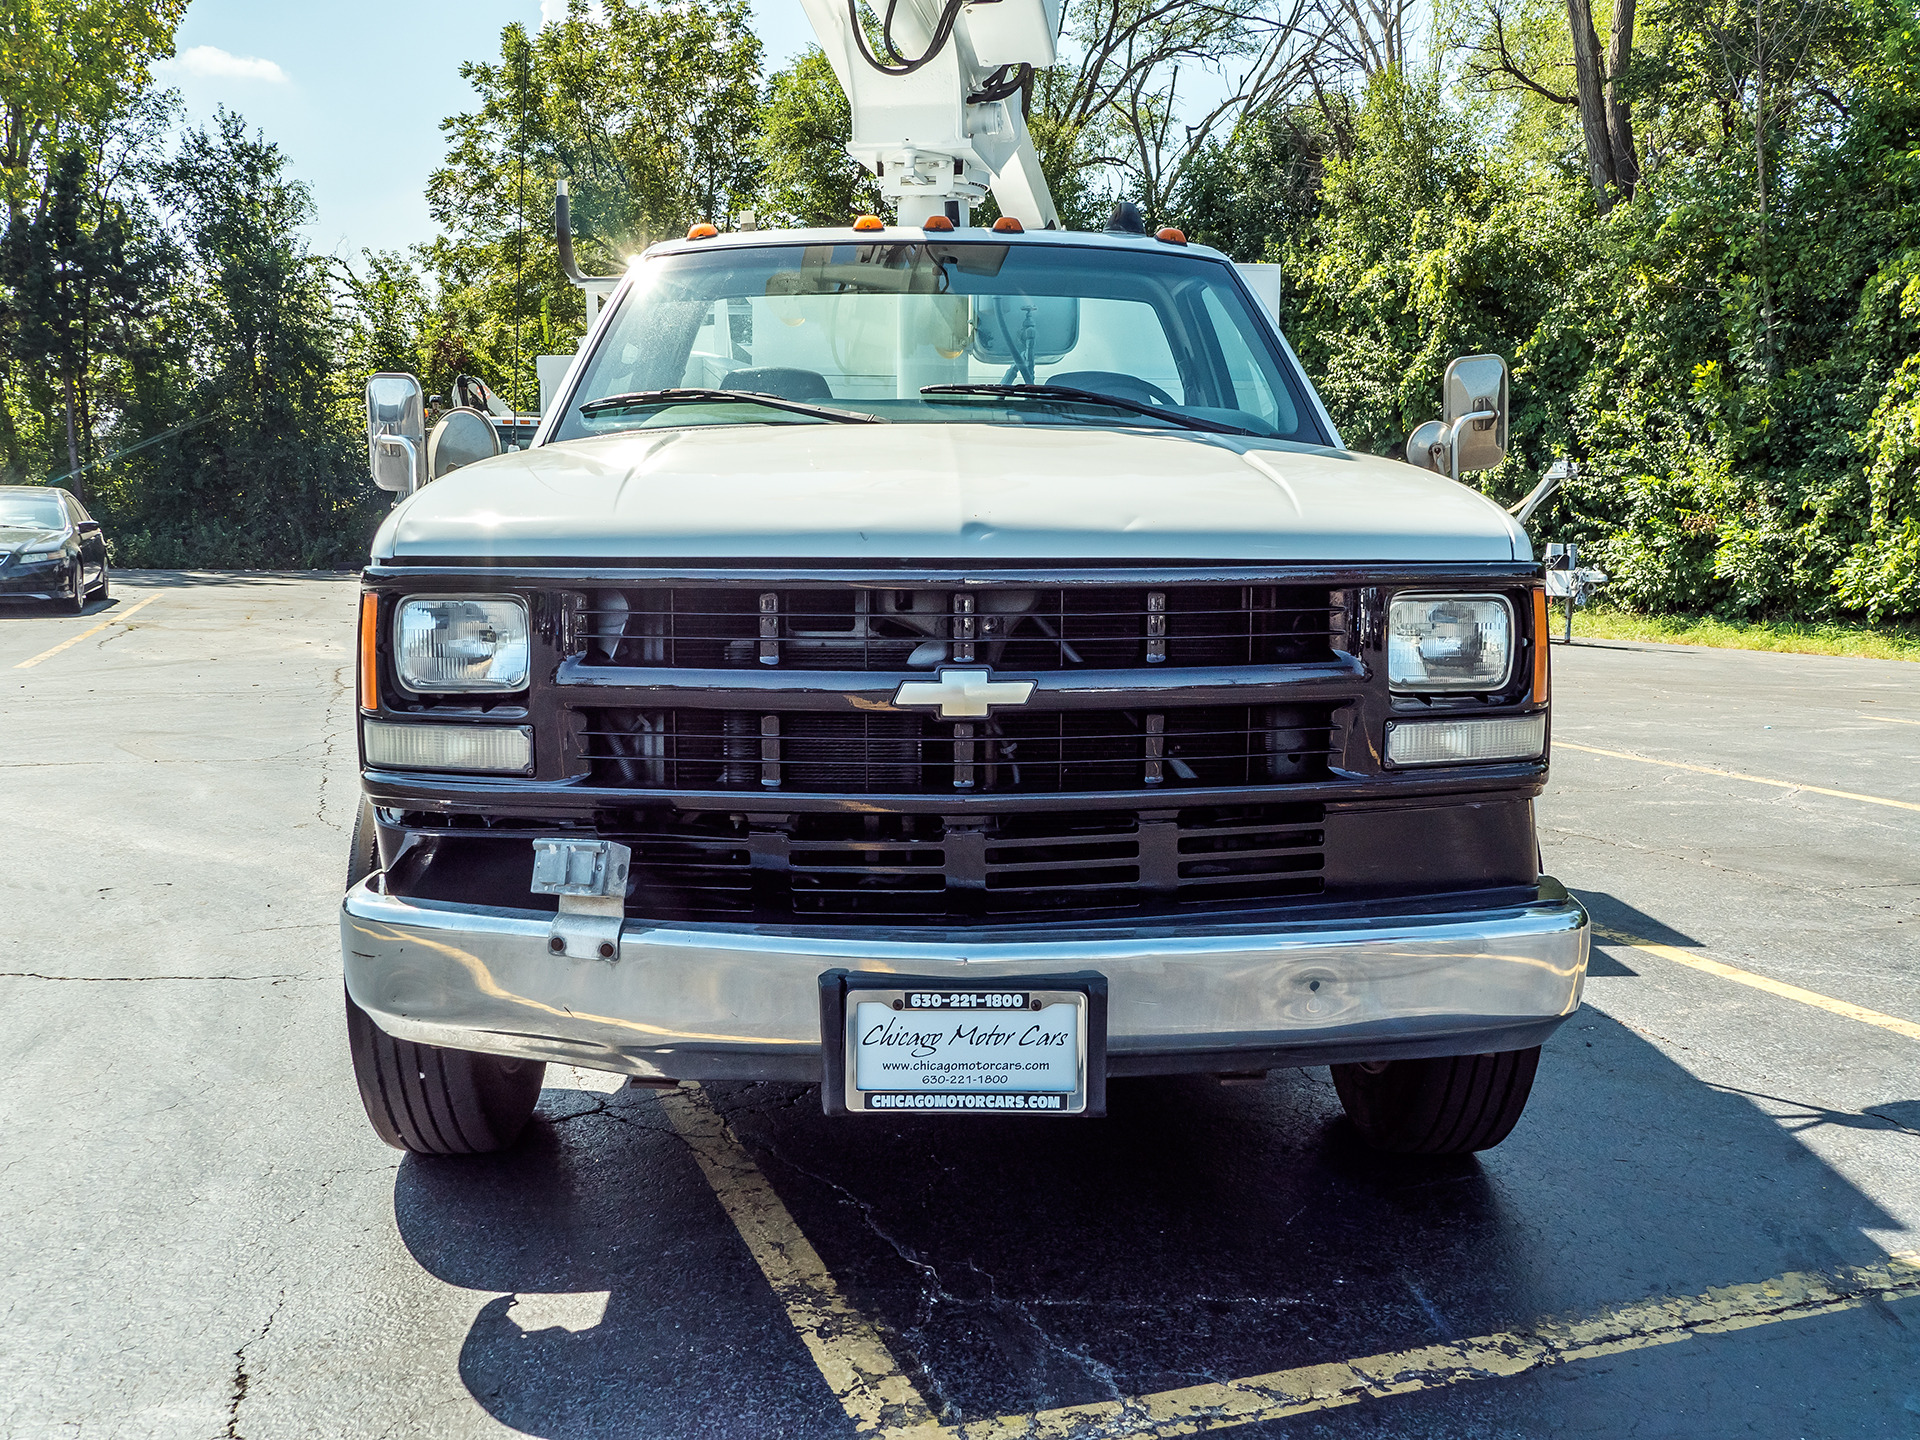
(424,1098)
(104,591)
(1448,1105)
(75,600)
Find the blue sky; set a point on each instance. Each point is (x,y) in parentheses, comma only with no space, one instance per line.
(354,92)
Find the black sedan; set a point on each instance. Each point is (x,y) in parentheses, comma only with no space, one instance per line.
(50,548)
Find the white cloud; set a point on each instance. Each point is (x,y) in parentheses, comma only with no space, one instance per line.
(211,62)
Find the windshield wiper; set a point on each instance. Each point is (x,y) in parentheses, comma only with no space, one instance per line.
(1089,397)
(660,399)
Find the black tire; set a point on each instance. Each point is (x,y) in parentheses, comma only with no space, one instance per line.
(424,1098)
(1449,1105)
(105,590)
(74,602)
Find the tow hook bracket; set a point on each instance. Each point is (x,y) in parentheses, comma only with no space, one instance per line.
(589,877)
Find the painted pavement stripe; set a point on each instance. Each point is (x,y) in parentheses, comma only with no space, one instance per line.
(1738,775)
(118,617)
(858,1367)
(1890,719)
(1310,1388)
(882,1403)
(1710,966)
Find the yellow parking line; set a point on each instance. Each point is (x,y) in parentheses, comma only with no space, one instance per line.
(1737,775)
(1309,1388)
(118,617)
(883,1404)
(1760,982)
(1890,719)
(856,1363)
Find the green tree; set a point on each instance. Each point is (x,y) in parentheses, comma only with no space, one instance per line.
(72,295)
(806,175)
(277,476)
(67,68)
(647,109)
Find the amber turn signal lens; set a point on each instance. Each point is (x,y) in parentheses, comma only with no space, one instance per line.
(1541,676)
(1007,225)
(1171,235)
(369,652)
(703,231)
(869,222)
(937,222)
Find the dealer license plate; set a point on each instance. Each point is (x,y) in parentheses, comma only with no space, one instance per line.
(1031,1047)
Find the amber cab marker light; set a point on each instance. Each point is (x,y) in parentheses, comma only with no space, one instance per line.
(869,222)
(1540,673)
(1008,225)
(369,653)
(937,222)
(1170,235)
(703,231)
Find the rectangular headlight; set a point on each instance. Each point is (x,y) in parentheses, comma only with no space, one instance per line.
(461,643)
(500,748)
(1455,742)
(1449,642)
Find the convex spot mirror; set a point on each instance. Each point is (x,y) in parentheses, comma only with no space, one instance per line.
(460,437)
(396,431)
(1476,408)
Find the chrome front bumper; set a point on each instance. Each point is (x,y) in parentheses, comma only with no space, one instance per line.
(711,1004)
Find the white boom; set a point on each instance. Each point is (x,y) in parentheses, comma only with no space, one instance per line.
(936,108)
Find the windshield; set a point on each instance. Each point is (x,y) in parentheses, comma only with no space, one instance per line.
(874,325)
(32,512)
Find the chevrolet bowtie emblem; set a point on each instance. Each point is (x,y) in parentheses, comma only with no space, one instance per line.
(963,693)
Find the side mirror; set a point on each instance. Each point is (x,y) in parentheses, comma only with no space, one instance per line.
(396,432)
(460,438)
(1476,407)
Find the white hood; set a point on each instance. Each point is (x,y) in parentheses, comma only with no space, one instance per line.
(992,493)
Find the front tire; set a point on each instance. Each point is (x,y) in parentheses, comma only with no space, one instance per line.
(74,602)
(105,589)
(424,1098)
(1447,1105)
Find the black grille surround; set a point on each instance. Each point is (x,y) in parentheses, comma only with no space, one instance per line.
(1178,757)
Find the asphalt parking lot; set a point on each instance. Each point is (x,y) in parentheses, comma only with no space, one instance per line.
(1695,1231)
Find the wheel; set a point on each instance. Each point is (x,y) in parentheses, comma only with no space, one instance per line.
(105,589)
(424,1098)
(1449,1105)
(75,600)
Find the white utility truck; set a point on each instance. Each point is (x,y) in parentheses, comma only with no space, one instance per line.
(953,665)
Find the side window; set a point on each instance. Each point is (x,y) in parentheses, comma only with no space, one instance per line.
(74,513)
(1251,392)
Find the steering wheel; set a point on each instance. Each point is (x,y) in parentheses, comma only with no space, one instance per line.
(1112,382)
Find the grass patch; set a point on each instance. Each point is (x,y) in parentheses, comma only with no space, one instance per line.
(1872,642)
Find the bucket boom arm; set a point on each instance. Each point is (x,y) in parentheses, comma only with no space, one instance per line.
(936,105)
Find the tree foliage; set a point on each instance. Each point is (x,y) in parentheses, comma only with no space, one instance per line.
(1729,350)
(648,111)
(1692,225)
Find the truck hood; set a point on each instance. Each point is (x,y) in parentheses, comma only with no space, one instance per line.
(987,493)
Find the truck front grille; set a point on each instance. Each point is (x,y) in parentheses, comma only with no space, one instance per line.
(926,869)
(746,626)
(904,754)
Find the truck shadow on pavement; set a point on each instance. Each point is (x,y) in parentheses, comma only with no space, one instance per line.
(1200,1232)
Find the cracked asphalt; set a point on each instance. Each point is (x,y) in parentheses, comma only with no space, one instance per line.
(204,1239)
